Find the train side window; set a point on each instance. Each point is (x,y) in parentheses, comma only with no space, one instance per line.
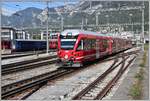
(80,45)
(87,44)
(105,43)
(113,44)
(93,44)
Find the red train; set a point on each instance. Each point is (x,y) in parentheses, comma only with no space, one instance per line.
(76,47)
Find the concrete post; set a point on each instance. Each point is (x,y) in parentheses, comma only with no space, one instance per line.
(47,43)
(11,35)
(42,33)
(24,35)
(143,27)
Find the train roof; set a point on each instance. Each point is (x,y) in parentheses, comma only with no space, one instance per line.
(75,32)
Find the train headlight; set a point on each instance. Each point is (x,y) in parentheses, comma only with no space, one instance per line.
(66,56)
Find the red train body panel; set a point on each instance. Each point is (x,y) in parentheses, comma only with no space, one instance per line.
(53,44)
(53,41)
(5,44)
(76,47)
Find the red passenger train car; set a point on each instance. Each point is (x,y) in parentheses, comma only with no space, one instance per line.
(53,41)
(76,47)
(5,44)
(53,44)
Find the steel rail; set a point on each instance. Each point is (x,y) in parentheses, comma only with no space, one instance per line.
(20,68)
(27,62)
(108,87)
(16,54)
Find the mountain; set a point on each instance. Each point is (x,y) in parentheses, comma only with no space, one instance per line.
(34,17)
(22,18)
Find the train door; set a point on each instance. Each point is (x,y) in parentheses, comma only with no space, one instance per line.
(97,49)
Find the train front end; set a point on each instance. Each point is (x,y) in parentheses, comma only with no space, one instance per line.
(67,42)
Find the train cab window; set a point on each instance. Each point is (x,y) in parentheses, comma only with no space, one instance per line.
(68,44)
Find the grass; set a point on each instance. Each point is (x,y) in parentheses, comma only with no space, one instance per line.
(142,64)
(146,46)
(136,89)
(139,75)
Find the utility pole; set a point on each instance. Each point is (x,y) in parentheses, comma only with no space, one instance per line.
(62,23)
(131,21)
(86,22)
(96,19)
(143,26)
(47,49)
(82,24)
(107,19)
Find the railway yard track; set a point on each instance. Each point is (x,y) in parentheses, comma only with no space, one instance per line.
(28,64)
(30,85)
(96,90)
(17,87)
(21,54)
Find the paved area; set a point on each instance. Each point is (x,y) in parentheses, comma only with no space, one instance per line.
(122,92)
(5,51)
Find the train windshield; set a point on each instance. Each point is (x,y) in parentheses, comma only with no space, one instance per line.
(68,42)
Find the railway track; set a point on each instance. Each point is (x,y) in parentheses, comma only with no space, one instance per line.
(28,64)
(37,81)
(95,90)
(31,85)
(22,54)
(113,81)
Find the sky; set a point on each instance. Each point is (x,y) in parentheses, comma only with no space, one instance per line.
(9,8)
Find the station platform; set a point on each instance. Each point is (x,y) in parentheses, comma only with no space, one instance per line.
(5,51)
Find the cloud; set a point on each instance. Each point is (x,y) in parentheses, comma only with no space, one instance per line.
(7,12)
